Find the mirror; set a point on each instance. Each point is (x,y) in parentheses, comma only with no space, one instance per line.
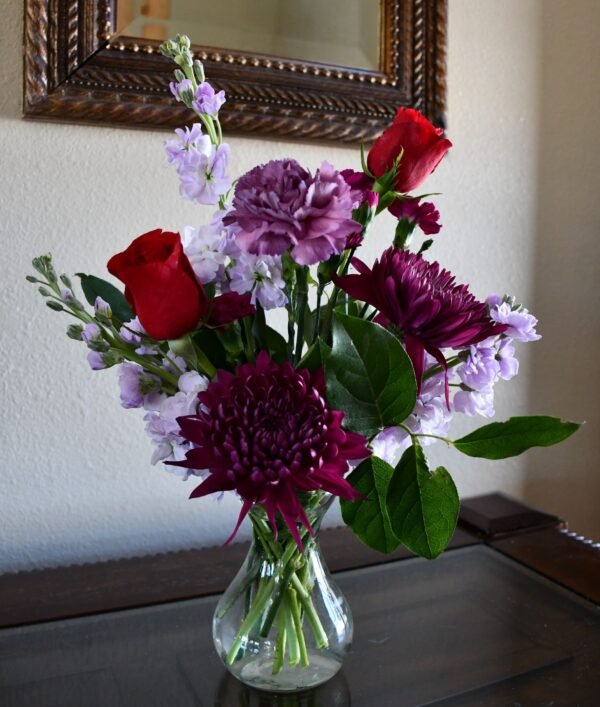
(317,69)
(340,32)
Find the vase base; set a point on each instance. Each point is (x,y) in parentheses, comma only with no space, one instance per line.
(257,672)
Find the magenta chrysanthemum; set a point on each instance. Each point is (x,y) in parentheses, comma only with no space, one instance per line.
(268,433)
(423,302)
(280,206)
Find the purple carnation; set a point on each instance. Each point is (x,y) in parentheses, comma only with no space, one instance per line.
(425,215)
(361,185)
(280,206)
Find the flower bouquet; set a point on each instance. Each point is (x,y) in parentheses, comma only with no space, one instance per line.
(375,362)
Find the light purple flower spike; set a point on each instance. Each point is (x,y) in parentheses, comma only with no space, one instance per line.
(261,275)
(207,101)
(204,174)
(520,322)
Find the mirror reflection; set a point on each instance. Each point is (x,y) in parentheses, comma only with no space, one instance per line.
(341,32)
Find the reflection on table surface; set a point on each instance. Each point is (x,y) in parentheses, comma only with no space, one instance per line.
(469,623)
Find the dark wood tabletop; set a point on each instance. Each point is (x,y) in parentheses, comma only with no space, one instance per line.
(507,616)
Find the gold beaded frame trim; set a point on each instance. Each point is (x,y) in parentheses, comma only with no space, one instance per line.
(75,69)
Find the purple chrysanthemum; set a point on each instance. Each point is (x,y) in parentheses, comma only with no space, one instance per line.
(268,433)
(423,302)
(280,206)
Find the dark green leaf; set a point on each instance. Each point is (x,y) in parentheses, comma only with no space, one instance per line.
(369,376)
(316,356)
(422,505)
(93,287)
(500,440)
(368,517)
(276,344)
(208,341)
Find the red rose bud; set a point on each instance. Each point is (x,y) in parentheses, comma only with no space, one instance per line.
(418,141)
(160,284)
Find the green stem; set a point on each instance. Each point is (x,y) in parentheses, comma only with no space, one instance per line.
(253,616)
(204,363)
(436,370)
(320,289)
(280,644)
(311,613)
(295,610)
(301,300)
(292,635)
(414,435)
(247,324)
(327,320)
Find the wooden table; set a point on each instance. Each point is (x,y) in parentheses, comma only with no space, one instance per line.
(507,616)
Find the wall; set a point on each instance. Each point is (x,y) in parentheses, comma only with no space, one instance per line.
(518,213)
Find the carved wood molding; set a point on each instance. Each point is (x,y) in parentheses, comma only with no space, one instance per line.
(76,70)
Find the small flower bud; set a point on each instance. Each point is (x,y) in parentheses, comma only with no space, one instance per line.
(103,311)
(74,331)
(56,306)
(98,345)
(199,70)
(179,75)
(44,291)
(66,282)
(51,273)
(31,278)
(112,358)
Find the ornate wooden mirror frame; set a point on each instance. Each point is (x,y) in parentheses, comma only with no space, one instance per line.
(76,69)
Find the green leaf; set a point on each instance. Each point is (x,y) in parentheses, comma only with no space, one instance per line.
(208,341)
(276,344)
(422,505)
(368,517)
(93,287)
(316,356)
(369,376)
(500,440)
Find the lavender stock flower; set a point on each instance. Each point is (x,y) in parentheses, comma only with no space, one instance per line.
(96,361)
(207,101)
(136,384)
(182,90)
(189,140)
(203,176)
(261,275)
(280,206)
(204,248)
(520,323)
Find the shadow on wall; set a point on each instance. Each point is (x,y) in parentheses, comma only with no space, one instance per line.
(565,377)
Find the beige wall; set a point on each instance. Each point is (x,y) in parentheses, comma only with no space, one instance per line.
(519,212)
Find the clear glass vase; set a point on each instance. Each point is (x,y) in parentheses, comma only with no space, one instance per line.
(283,624)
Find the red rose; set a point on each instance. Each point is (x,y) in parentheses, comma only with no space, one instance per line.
(160,284)
(423,147)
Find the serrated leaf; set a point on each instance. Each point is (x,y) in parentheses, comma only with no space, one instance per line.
(93,287)
(368,517)
(422,505)
(500,440)
(369,376)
